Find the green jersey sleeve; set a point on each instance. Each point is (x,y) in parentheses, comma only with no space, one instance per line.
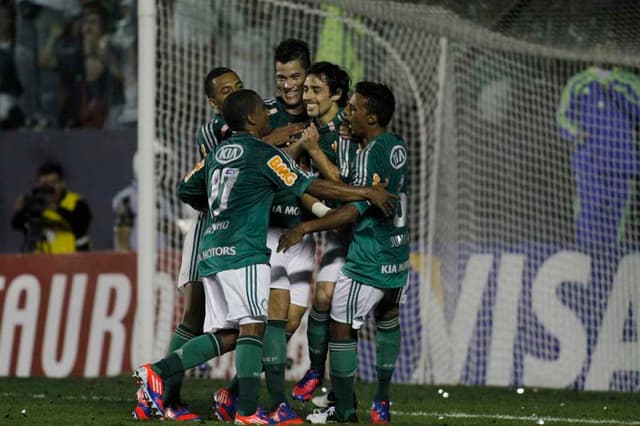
(192,189)
(212,134)
(284,173)
(364,172)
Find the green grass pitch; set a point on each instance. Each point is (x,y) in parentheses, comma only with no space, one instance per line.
(73,401)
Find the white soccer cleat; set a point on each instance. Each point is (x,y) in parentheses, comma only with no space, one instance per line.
(321,416)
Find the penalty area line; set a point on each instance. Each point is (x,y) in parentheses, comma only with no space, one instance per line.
(458,415)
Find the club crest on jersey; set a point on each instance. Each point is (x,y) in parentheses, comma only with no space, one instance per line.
(398,157)
(375,179)
(228,153)
(276,164)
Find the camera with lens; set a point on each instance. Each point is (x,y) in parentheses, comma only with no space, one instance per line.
(37,200)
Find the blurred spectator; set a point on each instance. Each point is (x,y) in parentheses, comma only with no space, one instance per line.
(88,68)
(125,208)
(124,40)
(11,115)
(34,19)
(53,219)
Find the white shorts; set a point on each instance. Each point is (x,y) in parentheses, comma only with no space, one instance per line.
(189,263)
(293,269)
(334,251)
(352,301)
(236,297)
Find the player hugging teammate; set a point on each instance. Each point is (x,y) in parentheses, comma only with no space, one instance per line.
(256,246)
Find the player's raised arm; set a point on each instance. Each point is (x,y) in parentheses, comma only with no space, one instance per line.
(309,141)
(281,135)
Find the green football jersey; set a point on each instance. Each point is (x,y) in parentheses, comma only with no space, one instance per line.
(238,181)
(329,138)
(340,151)
(278,115)
(286,209)
(379,253)
(212,134)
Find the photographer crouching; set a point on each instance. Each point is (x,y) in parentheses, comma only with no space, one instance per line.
(53,219)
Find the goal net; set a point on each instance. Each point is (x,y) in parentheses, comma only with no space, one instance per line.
(521,120)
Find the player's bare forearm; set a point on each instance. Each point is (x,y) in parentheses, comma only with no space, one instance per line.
(282,135)
(327,169)
(339,191)
(308,201)
(329,190)
(295,149)
(345,215)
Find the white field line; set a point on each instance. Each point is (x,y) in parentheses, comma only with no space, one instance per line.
(456,415)
(53,395)
(444,416)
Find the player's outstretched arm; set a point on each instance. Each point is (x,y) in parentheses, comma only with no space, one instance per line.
(336,218)
(377,195)
(315,206)
(282,135)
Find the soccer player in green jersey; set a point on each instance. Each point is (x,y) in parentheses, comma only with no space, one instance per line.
(287,115)
(219,83)
(291,272)
(235,185)
(377,265)
(326,91)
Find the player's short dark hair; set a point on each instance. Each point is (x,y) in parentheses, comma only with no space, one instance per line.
(49,167)
(380,100)
(291,49)
(335,77)
(214,73)
(238,106)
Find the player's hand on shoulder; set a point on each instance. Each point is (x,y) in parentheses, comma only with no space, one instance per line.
(383,199)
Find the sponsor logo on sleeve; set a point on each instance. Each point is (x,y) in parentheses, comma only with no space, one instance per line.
(398,157)
(229,153)
(282,170)
(197,167)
